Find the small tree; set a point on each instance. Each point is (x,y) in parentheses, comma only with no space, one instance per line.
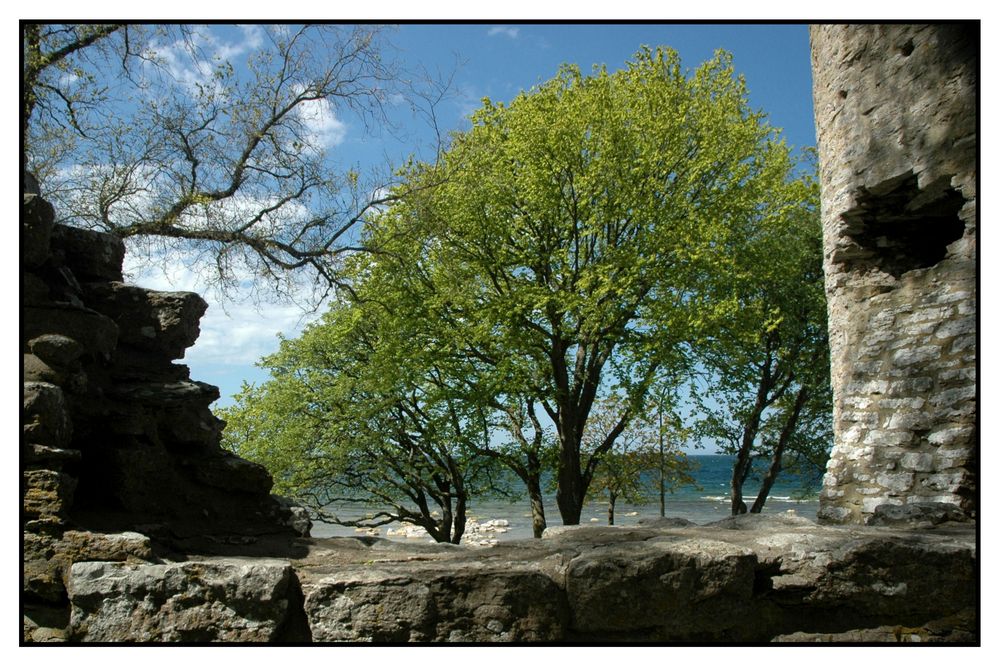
(350,415)
(630,470)
(766,390)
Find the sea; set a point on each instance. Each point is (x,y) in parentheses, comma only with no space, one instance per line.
(703,502)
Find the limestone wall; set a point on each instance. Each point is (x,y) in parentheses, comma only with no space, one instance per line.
(895,110)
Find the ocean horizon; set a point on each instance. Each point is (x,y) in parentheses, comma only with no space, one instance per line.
(705,501)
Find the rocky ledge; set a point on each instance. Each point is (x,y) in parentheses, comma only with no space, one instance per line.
(752,579)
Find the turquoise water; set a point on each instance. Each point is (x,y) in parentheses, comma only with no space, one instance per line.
(703,503)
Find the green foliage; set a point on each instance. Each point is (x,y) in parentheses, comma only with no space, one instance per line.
(766,390)
(568,242)
(352,414)
(630,469)
(601,235)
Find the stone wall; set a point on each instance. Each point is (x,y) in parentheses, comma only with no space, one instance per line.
(895,110)
(118,444)
(752,579)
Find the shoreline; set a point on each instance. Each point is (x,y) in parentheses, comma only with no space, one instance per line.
(493,522)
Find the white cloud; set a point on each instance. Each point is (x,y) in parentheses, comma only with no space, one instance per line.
(190,71)
(234,335)
(324,129)
(504,30)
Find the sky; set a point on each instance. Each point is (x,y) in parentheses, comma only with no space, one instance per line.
(496,61)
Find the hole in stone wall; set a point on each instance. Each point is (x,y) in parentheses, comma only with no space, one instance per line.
(899,227)
(905,49)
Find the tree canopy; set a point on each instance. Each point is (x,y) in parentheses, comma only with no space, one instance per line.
(353,414)
(573,228)
(765,393)
(597,234)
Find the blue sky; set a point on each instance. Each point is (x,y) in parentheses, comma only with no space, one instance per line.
(498,61)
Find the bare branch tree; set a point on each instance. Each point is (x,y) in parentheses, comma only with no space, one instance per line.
(221,150)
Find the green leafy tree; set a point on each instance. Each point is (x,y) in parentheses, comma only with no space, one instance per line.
(766,392)
(487,376)
(352,414)
(176,141)
(567,241)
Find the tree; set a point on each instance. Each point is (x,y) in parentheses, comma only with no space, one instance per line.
(399,275)
(570,232)
(350,415)
(174,139)
(625,471)
(766,393)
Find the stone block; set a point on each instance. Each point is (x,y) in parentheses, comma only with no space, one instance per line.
(908,421)
(897,482)
(950,397)
(956,327)
(919,514)
(46,493)
(962,344)
(37,220)
(95,332)
(155,321)
(916,355)
(917,462)
(223,600)
(38,456)
(230,472)
(56,350)
(46,420)
(949,481)
(672,591)
(91,255)
(35,370)
(480,604)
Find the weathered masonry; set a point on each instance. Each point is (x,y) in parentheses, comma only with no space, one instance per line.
(895,113)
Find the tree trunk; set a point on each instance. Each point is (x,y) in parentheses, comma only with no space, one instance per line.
(569,495)
(740,469)
(534,484)
(779,449)
(768,482)
(611,509)
(663,484)
(458,528)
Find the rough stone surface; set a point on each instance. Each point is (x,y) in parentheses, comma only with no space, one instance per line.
(924,514)
(754,579)
(895,110)
(36,230)
(226,600)
(161,322)
(139,528)
(294,515)
(92,254)
(114,435)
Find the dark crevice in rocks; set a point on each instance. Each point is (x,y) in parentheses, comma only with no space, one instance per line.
(763,579)
(897,227)
(295,629)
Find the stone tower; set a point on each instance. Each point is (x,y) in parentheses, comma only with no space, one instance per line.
(896,120)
